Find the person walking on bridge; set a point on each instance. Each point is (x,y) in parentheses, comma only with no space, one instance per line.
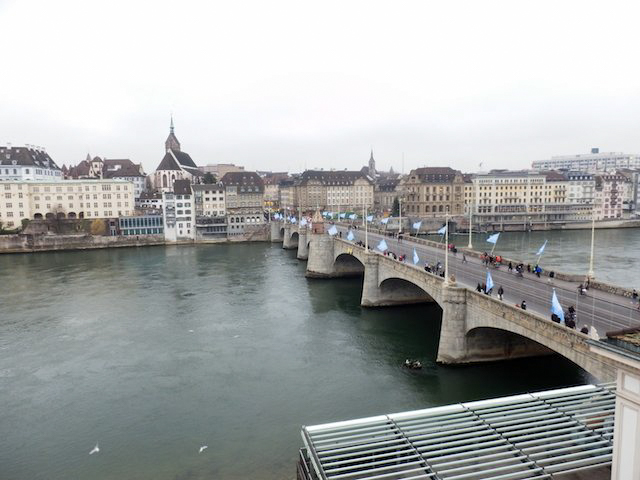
(500,292)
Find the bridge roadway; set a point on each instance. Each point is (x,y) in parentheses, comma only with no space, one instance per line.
(602,310)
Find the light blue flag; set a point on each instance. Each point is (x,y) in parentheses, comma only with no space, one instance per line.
(353,216)
(350,236)
(489,281)
(384,221)
(333,230)
(276,216)
(493,238)
(556,307)
(324,214)
(443,230)
(342,215)
(370,218)
(303,222)
(416,258)
(293,219)
(417,225)
(382,246)
(542,248)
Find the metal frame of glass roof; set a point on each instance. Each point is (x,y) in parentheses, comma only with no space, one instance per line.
(533,436)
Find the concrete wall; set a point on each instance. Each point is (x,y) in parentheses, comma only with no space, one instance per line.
(41,243)
(303,244)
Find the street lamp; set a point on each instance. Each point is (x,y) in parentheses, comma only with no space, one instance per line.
(446,247)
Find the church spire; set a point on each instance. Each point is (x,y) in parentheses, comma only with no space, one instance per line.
(172,142)
(372,166)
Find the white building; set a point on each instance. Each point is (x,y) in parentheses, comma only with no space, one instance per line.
(27,163)
(64,199)
(590,162)
(179,214)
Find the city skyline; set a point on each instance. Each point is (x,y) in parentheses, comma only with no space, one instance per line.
(286,87)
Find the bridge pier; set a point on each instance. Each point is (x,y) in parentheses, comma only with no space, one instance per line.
(276,235)
(287,241)
(320,259)
(303,245)
(322,262)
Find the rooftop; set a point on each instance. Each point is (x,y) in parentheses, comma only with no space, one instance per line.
(532,436)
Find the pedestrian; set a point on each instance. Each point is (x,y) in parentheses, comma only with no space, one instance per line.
(500,292)
(510,267)
(585,330)
(479,288)
(523,305)
(634,295)
(464,260)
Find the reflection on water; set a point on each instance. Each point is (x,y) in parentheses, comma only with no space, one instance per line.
(154,352)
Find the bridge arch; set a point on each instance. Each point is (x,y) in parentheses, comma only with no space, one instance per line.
(399,291)
(347,264)
(295,237)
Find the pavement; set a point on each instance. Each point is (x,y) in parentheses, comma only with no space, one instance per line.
(603,310)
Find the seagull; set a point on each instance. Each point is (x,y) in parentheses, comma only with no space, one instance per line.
(190,331)
(203,448)
(236,336)
(96,449)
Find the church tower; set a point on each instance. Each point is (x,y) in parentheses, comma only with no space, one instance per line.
(172,142)
(372,166)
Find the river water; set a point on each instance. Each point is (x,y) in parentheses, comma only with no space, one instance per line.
(616,251)
(155,352)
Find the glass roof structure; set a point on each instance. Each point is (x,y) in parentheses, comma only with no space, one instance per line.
(533,436)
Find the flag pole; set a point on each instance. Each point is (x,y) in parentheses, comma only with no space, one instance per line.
(446,251)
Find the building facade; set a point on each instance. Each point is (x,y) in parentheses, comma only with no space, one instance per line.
(244,193)
(385,193)
(141,225)
(27,163)
(335,190)
(433,192)
(178,214)
(65,199)
(590,162)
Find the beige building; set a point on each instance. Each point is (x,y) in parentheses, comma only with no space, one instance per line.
(244,193)
(433,192)
(219,170)
(335,190)
(209,199)
(385,193)
(65,199)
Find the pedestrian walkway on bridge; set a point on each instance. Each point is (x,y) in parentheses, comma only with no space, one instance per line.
(551,434)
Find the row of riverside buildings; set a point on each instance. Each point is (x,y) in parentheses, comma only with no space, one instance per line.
(182,201)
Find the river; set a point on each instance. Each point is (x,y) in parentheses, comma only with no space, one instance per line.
(616,251)
(154,352)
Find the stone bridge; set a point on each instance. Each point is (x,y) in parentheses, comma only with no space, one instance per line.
(292,237)
(475,327)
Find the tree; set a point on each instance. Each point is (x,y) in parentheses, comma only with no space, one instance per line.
(395,209)
(98,227)
(25,222)
(209,178)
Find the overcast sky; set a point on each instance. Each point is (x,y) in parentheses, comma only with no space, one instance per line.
(284,85)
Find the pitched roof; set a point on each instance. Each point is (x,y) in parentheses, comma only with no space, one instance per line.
(168,163)
(388,185)
(26,156)
(332,177)
(184,159)
(435,174)
(120,168)
(247,181)
(182,187)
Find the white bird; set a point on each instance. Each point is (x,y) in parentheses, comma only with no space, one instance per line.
(203,448)
(190,331)
(96,449)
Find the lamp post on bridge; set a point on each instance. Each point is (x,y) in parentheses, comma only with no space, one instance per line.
(446,251)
